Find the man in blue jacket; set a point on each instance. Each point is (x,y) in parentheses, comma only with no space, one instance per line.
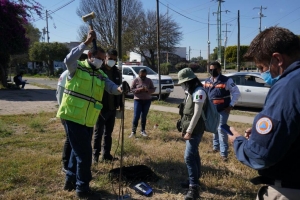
(224,94)
(272,145)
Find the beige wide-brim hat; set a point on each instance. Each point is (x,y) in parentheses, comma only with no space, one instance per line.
(185,75)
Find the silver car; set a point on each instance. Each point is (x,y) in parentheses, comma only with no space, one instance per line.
(252,87)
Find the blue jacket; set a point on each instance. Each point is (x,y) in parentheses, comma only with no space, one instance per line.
(274,145)
(217,92)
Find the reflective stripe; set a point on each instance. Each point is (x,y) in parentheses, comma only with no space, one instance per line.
(81,96)
(221,85)
(218,101)
(222,97)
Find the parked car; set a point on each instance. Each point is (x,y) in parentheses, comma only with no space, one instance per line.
(252,87)
(130,72)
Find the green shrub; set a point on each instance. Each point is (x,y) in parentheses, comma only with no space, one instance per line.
(194,66)
(165,68)
(181,65)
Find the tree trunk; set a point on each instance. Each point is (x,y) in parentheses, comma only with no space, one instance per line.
(51,68)
(3,78)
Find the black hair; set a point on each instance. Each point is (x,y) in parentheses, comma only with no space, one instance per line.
(216,64)
(193,84)
(112,52)
(95,51)
(143,70)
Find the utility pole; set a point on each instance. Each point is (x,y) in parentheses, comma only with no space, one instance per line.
(47,26)
(238,44)
(208,46)
(260,15)
(225,44)
(219,27)
(189,53)
(167,33)
(200,56)
(158,48)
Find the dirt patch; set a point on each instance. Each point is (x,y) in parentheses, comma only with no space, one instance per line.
(32,99)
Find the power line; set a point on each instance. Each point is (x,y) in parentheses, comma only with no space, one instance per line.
(183,14)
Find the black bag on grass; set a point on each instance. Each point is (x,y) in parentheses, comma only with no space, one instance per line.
(134,173)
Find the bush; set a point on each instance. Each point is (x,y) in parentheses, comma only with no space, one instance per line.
(181,65)
(194,66)
(165,68)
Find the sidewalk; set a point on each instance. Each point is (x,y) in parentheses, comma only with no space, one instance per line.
(233,118)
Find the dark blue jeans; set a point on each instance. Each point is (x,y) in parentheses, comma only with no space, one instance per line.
(192,159)
(141,108)
(79,168)
(67,147)
(104,126)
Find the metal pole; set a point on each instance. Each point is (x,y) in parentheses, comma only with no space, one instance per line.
(47,26)
(119,11)
(158,48)
(238,43)
(168,33)
(189,53)
(208,46)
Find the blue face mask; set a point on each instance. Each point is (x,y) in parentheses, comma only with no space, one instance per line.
(268,77)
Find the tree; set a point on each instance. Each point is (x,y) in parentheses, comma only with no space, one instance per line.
(48,52)
(144,39)
(105,23)
(33,34)
(231,53)
(214,55)
(13,15)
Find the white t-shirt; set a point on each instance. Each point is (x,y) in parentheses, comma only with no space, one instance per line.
(61,86)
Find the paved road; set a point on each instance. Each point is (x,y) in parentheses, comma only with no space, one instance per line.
(175,97)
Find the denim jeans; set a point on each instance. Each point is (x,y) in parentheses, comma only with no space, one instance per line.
(192,159)
(79,168)
(220,138)
(141,108)
(67,147)
(104,126)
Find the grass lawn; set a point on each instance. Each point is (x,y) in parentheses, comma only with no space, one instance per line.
(30,160)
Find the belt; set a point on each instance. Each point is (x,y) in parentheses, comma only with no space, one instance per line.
(277,183)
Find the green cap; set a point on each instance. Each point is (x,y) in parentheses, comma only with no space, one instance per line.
(185,75)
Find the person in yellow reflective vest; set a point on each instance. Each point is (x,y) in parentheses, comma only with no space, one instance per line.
(80,108)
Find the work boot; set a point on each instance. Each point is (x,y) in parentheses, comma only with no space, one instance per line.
(88,195)
(69,186)
(193,193)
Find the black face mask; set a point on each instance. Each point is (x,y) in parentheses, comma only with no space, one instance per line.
(214,72)
(143,77)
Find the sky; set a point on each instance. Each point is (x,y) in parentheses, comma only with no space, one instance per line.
(192,17)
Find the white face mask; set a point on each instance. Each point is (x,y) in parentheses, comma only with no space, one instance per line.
(96,62)
(184,87)
(111,63)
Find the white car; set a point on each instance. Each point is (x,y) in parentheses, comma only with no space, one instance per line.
(130,72)
(252,87)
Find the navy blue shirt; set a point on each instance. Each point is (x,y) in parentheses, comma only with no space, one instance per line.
(274,145)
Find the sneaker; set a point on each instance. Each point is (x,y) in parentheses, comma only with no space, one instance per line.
(193,193)
(132,135)
(89,195)
(69,186)
(64,170)
(109,158)
(143,133)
